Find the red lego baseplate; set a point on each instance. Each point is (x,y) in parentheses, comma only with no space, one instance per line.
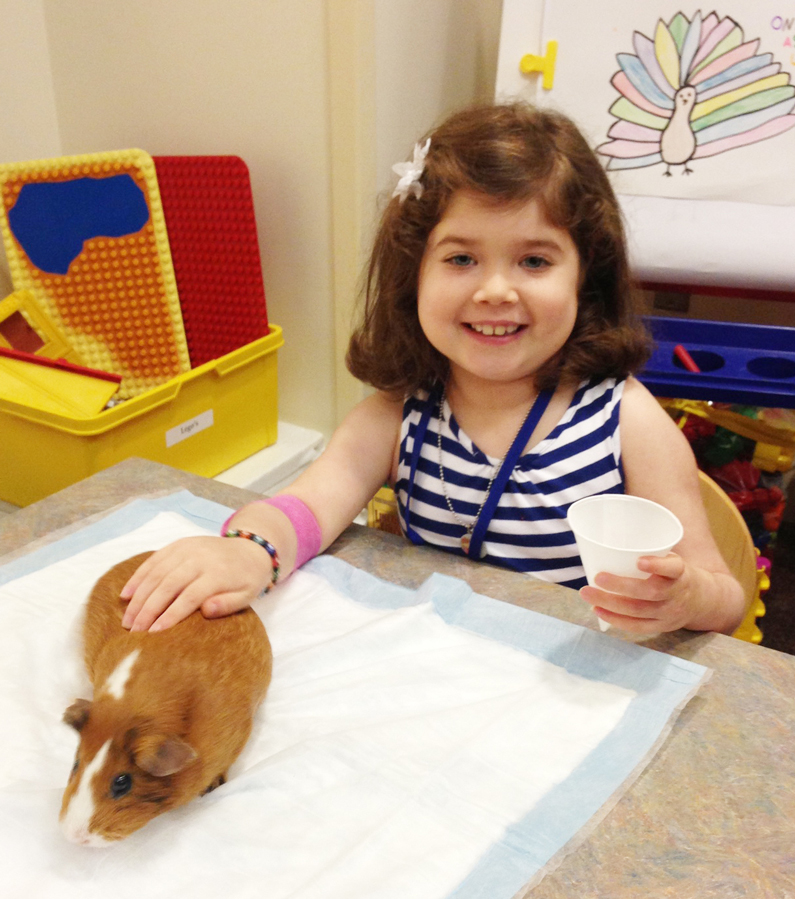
(212,233)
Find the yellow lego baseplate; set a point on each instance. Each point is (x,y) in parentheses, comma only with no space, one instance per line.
(87,236)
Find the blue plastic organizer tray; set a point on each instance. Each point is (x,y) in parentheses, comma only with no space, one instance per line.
(752,364)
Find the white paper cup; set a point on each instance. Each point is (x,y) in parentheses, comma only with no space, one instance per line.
(614,530)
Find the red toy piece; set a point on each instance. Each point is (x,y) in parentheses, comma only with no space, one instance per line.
(686,359)
(759,499)
(697,428)
(735,475)
(771,520)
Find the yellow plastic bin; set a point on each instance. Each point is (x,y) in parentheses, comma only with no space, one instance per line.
(202,421)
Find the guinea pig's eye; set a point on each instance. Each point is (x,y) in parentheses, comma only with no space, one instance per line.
(120,785)
(75,766)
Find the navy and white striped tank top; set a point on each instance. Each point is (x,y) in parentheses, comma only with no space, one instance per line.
(528,532)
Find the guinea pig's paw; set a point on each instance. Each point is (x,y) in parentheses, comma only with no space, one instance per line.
(218,782)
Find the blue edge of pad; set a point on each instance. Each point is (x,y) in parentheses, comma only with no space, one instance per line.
(663,683)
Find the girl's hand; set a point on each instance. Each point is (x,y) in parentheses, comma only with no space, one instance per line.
(666,601)
(215,574)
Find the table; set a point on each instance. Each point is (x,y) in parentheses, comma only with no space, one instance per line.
(713,814)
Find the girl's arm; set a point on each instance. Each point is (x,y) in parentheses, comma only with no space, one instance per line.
(691,587)
(224,575)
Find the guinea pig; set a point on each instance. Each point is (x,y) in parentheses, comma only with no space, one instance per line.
(171,711)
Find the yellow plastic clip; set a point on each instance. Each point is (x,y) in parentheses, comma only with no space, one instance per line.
(24,326)
(545,64)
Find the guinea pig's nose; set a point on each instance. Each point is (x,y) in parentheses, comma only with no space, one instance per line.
(79,835)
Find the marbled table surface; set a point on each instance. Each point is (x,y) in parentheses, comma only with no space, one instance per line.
(713,814)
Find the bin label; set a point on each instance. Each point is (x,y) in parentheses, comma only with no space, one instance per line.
(189,428)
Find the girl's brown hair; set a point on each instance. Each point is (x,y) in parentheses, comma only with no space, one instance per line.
(511,153)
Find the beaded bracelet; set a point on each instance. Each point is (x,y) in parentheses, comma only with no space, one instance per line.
(301,517)
(269,548)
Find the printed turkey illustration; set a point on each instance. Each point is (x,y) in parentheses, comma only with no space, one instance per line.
(696,90)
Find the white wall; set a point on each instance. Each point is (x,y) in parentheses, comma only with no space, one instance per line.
(431,58)
(27,98)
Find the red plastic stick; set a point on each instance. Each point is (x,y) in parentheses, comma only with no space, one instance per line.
(685,358)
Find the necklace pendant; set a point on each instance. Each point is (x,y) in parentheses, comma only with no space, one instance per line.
(466,544)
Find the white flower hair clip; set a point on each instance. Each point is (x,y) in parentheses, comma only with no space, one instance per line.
(410,173)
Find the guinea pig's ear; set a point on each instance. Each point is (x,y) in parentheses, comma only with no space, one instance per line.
(77,714)
(160,755)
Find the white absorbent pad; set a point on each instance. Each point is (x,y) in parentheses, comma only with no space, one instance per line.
(427,744)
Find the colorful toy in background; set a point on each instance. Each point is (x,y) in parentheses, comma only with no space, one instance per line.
(746,450)
(743,447)
(132,282)
(737,410)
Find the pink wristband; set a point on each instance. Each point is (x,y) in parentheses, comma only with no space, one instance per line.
(303,520)
(305,525)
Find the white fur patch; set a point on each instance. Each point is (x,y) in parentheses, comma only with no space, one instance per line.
(117,681)
(76,822)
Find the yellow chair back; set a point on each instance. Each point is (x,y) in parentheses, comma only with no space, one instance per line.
(737,548)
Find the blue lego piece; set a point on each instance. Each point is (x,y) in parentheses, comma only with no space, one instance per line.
(53,220)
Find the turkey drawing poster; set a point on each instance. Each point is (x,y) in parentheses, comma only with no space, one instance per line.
(691,102)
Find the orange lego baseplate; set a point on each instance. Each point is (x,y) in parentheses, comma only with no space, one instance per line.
(87,236)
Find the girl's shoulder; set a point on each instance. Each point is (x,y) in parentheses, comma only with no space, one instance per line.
(659,465)
(376,416)
(649,437)
(637,400)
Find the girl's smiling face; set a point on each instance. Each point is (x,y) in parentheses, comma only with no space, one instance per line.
(498,287)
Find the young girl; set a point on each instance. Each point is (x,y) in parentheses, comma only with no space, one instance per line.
(500,334)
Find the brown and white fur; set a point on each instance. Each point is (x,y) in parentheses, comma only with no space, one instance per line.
(171,711)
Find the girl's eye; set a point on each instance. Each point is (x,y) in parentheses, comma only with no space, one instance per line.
(534,262)
(461,260)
